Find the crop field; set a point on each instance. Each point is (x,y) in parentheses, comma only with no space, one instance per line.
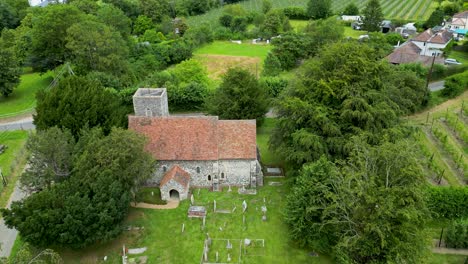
(392,9)
(443,140)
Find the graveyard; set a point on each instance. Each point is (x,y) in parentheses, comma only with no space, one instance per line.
(170,236)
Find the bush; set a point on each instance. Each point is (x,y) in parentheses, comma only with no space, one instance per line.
(457,234)
(455,85)
(439,71)
(273,85)
(295,12)
(449,203)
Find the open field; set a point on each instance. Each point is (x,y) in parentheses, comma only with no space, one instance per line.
(23,98)
(11,161)
(167,243)
(234,49)
(443,139)
(392,9)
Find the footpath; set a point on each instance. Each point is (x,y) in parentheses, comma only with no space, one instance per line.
(7,235)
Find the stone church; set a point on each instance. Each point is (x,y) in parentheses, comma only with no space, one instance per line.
(194,151)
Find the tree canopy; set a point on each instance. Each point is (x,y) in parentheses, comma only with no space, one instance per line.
(239,97)
(9,70)
(77,102)
(351,10)
(319,9)
(372,16)
(90,205)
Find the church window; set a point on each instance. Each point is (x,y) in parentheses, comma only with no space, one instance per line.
(198,169)
(209,177)
(222,175)
(164,168)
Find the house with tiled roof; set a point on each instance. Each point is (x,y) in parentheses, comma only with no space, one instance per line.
(432,43)
(203,149)
(410,53)
(459,21)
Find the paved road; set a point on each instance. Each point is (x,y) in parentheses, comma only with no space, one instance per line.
(8,236)
(436,86)
(21,124)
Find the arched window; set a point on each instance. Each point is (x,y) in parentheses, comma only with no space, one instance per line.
(222,175)
(164,168)
(209,177)
(198,169)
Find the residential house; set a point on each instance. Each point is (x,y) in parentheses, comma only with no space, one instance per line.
(432,43)
(410,53)
(459,21)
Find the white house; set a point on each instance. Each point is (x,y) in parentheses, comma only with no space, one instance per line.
(432,43)
(459,21)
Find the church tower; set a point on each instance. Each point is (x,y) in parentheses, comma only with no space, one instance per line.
(150,102)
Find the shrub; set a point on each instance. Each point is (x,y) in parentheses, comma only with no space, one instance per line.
(448,202)
(455,85)
(295,12)
(457,234)
(438,72)
(273,85)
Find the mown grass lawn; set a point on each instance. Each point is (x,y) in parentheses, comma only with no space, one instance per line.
(15,141)
(263,137)
(23,98)
(459,56)
(166,243)
(234,49)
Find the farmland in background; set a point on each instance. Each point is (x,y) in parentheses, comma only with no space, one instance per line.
(393,9)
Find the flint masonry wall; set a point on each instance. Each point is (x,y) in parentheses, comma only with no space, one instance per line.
(150,102)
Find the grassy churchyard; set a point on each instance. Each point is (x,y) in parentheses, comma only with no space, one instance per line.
(167,243)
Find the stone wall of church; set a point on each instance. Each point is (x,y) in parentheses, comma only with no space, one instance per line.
(174,185)
(204,173)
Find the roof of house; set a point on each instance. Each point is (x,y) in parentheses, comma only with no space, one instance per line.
(197,137)
(441,37)
(463,14)
(409,53)
(178,174)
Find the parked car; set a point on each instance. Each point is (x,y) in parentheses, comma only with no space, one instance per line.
(452,62)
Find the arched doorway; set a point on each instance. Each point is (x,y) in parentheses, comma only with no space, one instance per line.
(174,194)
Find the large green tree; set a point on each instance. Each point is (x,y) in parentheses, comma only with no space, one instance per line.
(49,33)
(372,16)
(344,91)
(239,97)
(97,47)
(369,209)
(351,10)
(319,9)
(114,17)
(10,70)
(50,158)
(89,206)
(77,102)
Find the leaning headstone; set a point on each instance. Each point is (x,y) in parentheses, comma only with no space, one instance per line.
(192,200)
(234,209)
(229,189)
(244,206)
(229,257)
(214,206)
(183,227)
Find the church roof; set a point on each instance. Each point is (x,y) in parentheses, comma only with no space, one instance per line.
(178,174)
(197,137)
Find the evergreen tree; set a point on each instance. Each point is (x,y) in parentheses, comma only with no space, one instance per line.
(372,16)
(351,10)
(319,9)
(10,71)
(436,19)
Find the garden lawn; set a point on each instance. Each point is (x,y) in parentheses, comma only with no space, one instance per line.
(12,158)
(234,49)
(350,32)
(459,56)
(166,243)
(23,98)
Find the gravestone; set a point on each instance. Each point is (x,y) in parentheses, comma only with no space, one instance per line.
(264,218)
(247,242)
(229,245)
(183,227)
(229,189)
(214,206)
(244,206)
(229,257)
(264,209)
(234,209)
(204,220)
(192,200)
(217,256)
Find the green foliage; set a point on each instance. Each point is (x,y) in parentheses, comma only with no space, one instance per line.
(319,9)
(372,16)
(266,6)
(436,19)
(394,38)
(275,22)
(457,234)
(351,10)
(114,17)
(295,12)
(30,255)
(152,36)
(448,202)
(238,97)
(12,12)
(271,65)
(450,7)
(96,47)
(344,91)
(49,33)
(455,85)
(274,85)
(200,35)
(10,70)
(86,6)
(50,160)
(142,23)
(192,7)
(157,10)
(77,102)
(90,205)
(416,68)
(369,209)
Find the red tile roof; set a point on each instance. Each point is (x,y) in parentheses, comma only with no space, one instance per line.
(458,22)
(196,138)
(441,37)
(424,36)
(409,53)
(178,174)
(463,14)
